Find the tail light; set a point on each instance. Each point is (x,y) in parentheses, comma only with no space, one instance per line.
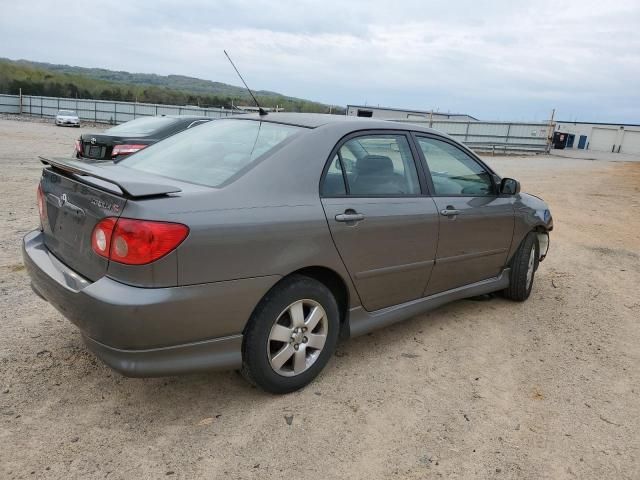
(78,148)
(101,236)
(125,149)
(136,242)
(42,206)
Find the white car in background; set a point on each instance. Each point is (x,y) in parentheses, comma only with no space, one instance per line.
(67,117)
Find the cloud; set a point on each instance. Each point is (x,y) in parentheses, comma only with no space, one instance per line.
(503,60)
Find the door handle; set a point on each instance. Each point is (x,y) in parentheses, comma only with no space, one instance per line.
(449,212)
(349,216)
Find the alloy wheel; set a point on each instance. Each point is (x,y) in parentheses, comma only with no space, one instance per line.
(297,337)
(531,266)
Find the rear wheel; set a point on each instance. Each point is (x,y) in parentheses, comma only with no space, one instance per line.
(523,268)
(291,335)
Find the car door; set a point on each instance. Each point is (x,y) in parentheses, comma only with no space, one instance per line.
(383,225)
(476,224)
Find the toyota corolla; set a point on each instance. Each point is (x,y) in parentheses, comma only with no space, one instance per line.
(255,242)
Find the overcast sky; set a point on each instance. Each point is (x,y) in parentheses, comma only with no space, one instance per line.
(502,60)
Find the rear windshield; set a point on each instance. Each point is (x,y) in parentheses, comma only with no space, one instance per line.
(141,126)
(212,153)
(70,113)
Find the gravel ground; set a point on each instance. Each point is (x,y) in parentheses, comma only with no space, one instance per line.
(548,388)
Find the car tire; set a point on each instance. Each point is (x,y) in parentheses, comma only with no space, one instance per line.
(523,269)
(277,351)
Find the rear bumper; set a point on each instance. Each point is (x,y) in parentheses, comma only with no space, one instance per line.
(148,331)
(217,354)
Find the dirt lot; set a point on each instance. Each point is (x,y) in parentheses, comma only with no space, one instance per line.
(549,388)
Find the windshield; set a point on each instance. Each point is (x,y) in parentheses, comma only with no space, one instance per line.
(212,153)
(141,127)
(69,113)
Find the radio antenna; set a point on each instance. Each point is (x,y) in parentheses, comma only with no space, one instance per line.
(261,110)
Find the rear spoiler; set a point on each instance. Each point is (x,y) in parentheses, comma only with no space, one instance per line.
(133,183)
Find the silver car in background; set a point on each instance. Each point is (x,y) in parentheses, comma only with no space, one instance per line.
(67,118)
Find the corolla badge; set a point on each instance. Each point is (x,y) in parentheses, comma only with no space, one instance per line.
(114,207)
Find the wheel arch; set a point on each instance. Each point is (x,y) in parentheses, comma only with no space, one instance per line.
(330,279)
(338,288)
(537,229)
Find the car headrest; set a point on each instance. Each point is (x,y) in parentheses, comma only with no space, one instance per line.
(374,165)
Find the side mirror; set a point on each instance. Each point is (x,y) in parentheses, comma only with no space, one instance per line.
(509,186)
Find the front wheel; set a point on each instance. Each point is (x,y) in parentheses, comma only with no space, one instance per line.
(523,268)
(291,335)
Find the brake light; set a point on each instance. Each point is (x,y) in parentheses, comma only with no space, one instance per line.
(125,149)
(42,210)
(136,242)
(78,148)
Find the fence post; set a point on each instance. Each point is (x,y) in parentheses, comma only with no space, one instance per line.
(95,112)
(466,133)
(41,106)
(20,108)
(59,104)
(506,140)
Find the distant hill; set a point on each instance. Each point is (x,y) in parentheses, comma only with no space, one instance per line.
(38,78)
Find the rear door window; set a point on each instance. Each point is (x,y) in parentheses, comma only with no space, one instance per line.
(212,153)
(374,165)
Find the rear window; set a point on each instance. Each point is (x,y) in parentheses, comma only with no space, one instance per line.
(141,126)
(212,153)
(70,113)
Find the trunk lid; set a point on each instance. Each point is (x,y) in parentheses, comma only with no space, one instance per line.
(100,146)
(72,211)
(77,196)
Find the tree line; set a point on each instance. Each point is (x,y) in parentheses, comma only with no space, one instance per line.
(36,81)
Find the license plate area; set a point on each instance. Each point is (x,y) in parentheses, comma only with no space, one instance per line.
(95,151)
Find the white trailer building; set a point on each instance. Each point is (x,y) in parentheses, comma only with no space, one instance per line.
(601,137)
(385,113)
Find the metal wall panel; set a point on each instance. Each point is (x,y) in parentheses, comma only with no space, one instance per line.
(101,111)
(482,136)
(493,136)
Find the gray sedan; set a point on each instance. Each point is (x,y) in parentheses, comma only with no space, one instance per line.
(255,242)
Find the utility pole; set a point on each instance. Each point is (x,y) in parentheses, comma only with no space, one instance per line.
(550,133)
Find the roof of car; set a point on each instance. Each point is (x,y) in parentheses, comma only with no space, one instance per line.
(314,120)
(187,117)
